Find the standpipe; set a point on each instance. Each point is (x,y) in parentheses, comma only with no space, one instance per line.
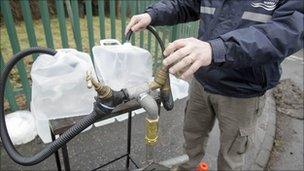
(106,101)
(141,94)
(146,101)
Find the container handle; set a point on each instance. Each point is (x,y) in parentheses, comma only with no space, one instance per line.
(109,42)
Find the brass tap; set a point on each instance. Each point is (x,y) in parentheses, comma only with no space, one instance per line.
(151,131)
(103,91)
(160,78)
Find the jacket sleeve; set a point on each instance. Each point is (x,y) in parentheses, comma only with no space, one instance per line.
(170,12)
(261,43)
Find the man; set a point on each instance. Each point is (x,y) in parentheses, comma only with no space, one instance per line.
(235,59)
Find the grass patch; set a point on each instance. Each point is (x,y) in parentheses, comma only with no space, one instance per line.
(40,37)
(6,49)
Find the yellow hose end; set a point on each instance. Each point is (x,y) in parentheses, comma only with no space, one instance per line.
(151,131)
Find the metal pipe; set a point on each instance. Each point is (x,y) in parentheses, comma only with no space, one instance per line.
(135,92)
(162,75)
(151,137)
(149,104)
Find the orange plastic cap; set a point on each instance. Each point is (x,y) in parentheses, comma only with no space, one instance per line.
(202,166)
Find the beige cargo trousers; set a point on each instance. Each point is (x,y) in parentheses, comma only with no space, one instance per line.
(237,121)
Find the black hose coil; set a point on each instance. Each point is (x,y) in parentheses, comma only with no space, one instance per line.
(50,148)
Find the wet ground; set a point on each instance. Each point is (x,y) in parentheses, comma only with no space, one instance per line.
(99,145)
(102,144)
(287,153)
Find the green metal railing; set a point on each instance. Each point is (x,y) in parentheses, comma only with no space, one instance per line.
(110,22)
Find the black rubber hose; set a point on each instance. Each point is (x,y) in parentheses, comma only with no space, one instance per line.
(50,148)
(166,95)
(155,34)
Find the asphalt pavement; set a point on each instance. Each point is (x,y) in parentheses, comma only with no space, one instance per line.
(102,144)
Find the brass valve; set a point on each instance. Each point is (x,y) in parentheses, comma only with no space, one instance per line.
(103,91)
(160,78)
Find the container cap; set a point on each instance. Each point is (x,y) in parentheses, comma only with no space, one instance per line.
(202,166)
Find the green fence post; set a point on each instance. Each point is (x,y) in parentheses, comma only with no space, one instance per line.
(149,41)
(142,5)
(187,31)
(75,24)
(149,34)
(44,12)
(62,23)
(9,93)
(123,14)
(11,30)
(174,33)
(178,28)
(113,18)
(88,5)
(156,45)
(133,5)
(29,25)
(181,30)
(101,15)
(164,38)
(192,28)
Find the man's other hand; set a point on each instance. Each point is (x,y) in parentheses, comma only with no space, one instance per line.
(188,53)
(138,22)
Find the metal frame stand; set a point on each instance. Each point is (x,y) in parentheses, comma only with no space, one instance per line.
(65,156)
(65,153)
(56,154)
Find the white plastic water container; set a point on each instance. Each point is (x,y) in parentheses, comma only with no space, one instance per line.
(179,87)
(59,88)
(121,65)
(21,127)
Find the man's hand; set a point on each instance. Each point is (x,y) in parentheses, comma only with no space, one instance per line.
(190,52)
(138,22)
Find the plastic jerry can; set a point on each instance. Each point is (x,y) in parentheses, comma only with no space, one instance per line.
(121,65)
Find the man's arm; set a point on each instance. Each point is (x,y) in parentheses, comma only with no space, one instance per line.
(166,12)
(258,44)
(254,45)
(170,12)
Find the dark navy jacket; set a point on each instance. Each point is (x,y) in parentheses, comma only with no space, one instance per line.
(249,39)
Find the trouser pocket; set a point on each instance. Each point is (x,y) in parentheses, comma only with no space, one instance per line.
(242,142)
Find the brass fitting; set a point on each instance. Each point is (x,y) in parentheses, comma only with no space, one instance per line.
(103,91)
(151,131)
(161,76)
(153,85)
(160,79)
